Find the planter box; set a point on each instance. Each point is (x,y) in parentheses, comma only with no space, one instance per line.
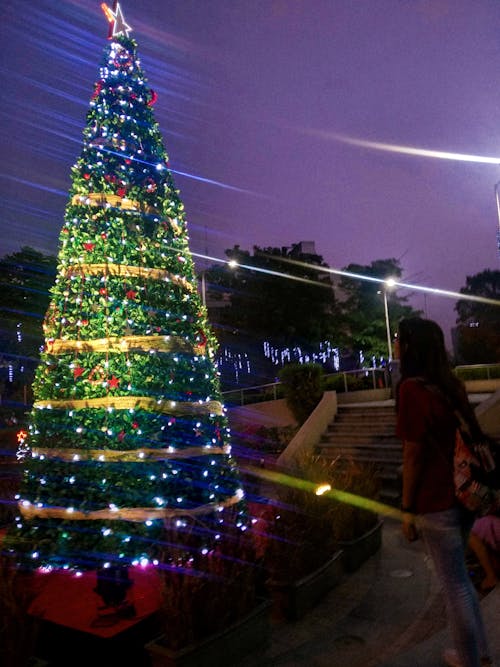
(292,600)
(356,552)
(224,649)
(482,386)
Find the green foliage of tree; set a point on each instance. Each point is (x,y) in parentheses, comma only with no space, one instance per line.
(362,307)
(276,294)
(127,427)
(478,331)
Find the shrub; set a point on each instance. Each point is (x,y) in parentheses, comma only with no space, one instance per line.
(355,382)
(203,593)
(303,386)
(303,529)
(335,383)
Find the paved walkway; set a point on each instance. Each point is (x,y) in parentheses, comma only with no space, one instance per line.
(387,614)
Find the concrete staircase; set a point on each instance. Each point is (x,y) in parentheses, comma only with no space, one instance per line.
(367,434)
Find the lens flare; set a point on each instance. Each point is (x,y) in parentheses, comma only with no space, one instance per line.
(357,276)
(335,494)
(407,150)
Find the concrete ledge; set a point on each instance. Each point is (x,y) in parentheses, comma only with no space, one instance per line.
(267,413)
(364,396)
(482,386)
(310,432)
(488,414)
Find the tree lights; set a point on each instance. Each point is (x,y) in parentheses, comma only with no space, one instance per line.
(127,429)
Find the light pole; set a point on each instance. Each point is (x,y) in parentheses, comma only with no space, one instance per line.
(388,283)
(497,197)
(203,290)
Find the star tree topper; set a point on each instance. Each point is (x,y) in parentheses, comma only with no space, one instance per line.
(117,24)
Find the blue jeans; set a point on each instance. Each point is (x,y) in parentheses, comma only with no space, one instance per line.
(445,535)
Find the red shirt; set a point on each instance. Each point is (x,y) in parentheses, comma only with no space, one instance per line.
(426,420)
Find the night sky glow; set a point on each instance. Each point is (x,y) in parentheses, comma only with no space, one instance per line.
(284,120)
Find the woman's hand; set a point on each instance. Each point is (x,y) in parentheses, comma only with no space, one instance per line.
(409,528)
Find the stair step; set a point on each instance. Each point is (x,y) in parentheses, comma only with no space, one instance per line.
(390,476)
(367,434)
(368,425)
(373,446)
(367,409)
(356,421)
(389,495)
(367,438)
(362,458)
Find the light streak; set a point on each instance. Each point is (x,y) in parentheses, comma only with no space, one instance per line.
(348,274)
(32,184)
(259,269)
(408,150)
(334,494)
(219,184)
(133,158)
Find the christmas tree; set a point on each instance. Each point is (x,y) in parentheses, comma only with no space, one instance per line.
(127,430)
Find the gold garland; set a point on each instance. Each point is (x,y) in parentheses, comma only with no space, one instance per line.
(162,405)
(135,455)
(104,199)
(124,344)
(125,271)
(125,514)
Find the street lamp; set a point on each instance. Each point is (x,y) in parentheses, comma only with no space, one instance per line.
(388,284)
(497,197)
(203,290)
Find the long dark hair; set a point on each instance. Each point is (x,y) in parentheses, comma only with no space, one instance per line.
(423,354)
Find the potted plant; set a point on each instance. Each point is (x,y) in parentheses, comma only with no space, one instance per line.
(300,557)
(357,528)
(210,612)
(311,537)
(18,629)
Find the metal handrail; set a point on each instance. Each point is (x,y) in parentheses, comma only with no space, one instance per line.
(260,389)
(486,367)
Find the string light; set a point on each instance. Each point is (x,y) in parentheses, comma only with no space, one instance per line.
(126,358)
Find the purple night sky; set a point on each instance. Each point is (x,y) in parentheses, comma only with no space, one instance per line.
(255,102)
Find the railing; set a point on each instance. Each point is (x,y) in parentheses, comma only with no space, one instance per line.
(364,378)
(478,372)
(345,381)
(256,394)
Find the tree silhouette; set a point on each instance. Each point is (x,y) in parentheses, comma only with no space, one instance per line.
(478,333)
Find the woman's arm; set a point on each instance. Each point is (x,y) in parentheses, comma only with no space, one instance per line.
(412,471)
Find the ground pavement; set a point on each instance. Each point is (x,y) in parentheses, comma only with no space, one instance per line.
(389,613)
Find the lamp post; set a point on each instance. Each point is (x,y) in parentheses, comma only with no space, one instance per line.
(497,197)
(390,282)
(203,290)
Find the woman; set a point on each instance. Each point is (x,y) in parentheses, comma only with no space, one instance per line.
(428,394)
